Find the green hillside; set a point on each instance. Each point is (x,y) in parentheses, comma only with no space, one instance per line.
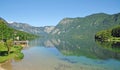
(10,33)
(7,49)
(85,27)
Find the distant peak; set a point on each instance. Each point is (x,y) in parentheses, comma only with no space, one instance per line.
(10,22)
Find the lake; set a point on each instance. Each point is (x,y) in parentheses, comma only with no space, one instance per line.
(66,54)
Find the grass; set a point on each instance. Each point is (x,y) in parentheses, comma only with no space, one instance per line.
(5,58)
(16,56)
(15,52)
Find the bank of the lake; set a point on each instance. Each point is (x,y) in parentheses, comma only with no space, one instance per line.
(9,51)
(7,37)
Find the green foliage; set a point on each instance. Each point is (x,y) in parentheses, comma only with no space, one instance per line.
(16,56)
(2,46)
(109,35)
(9,44)
(112,46)
(7,35)
(14,51)
(19,56)
(103,35)
(116,31)
(10,33)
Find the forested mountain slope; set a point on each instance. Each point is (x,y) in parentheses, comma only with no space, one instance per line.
(7,32)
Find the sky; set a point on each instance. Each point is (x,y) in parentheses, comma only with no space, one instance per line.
(50,12)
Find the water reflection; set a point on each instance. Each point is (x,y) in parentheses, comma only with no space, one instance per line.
(112,46)
(65,54)
(116,45)
(83,47)
(44,42)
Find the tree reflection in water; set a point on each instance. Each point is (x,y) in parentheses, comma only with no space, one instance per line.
(81,47)
(112,46)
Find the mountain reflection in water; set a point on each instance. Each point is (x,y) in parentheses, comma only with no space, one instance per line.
(88,48)
(66,54)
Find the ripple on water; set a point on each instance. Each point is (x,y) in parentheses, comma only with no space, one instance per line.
(68,60)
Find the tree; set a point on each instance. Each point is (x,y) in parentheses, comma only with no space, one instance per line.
(116,31)
(103,35)
(8,44)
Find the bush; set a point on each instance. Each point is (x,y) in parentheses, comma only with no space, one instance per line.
(103,35)
(116,31)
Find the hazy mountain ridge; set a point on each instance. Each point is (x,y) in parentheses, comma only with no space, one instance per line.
(74,27)
(31,29)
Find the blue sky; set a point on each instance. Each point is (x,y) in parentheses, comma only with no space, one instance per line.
(50,12)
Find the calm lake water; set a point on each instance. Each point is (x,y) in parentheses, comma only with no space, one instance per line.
(61,54)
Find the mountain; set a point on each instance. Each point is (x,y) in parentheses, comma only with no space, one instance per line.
(31,29)
(85,27)
(79,27)
(7,32)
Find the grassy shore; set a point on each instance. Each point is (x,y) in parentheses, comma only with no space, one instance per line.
(15,52)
